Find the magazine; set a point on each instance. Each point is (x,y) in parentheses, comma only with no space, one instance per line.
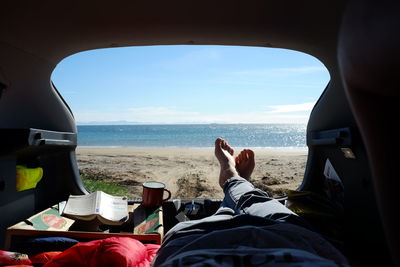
(48,219)
(108,209)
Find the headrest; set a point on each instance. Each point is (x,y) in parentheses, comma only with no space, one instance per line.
(369,46)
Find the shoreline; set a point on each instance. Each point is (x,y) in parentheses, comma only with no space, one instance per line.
(305,148)
(188,172)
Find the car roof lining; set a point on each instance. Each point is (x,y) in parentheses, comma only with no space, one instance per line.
(67,28)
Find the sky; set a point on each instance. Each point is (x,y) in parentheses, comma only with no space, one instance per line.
(191,84)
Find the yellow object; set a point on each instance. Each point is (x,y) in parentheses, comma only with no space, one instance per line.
(27,178)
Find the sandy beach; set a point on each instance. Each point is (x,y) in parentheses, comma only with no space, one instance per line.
(188,173)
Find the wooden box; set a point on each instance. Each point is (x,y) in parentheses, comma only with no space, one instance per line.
(143,224)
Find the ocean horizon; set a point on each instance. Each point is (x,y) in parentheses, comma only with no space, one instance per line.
(277,136)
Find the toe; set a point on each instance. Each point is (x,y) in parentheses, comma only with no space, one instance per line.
(237,160)
(250,153)
(218,142)
(242,155)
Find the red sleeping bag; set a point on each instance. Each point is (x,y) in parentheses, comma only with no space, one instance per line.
(113,251)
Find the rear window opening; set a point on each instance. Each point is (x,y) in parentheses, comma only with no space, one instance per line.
(152,114)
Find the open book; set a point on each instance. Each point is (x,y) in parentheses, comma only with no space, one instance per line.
(108,209)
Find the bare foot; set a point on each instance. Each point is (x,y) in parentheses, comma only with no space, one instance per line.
(224,154)
(245,163)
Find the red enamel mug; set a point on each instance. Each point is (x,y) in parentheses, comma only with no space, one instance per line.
(153,194)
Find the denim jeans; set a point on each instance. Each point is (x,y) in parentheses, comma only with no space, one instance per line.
(243,198)
(243,204)
(247,218)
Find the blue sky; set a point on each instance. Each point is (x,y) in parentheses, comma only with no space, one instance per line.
(191,84)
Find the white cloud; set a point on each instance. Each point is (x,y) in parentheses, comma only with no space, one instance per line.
(136,114)
(291,108)
(252,117)
(274,114)
(158,112)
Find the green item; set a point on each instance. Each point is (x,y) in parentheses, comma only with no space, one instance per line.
(322,213)
(27,178)
(310,204)
(152,221)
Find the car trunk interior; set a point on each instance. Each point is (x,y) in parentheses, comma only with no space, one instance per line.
(37,128)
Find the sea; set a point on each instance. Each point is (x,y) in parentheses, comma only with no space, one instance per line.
(286,136)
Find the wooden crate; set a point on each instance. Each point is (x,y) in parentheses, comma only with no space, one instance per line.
(143,224)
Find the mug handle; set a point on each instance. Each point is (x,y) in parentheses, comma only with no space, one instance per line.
(169,194)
